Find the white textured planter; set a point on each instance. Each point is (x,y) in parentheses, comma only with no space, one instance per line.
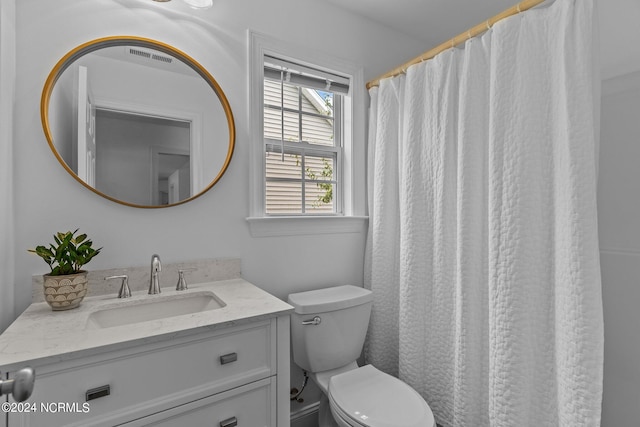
(65,292)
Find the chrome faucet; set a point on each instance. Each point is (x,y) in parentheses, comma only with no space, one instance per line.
(156,267)
(182,284)
(125,291)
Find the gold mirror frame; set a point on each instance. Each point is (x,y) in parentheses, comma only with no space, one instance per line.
(112,41)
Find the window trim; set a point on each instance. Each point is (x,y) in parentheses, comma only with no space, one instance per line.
(354,155)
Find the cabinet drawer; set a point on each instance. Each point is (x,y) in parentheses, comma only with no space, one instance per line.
(153,378)
(247,406)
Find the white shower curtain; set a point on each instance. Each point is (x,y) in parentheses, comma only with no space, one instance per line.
(483,252)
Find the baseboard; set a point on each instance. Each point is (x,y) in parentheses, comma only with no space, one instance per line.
(305,410)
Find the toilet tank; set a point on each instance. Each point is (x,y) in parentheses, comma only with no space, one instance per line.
(337,339)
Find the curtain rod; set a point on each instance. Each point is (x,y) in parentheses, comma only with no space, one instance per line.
(460,38)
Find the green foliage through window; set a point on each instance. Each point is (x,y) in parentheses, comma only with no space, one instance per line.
(326,174)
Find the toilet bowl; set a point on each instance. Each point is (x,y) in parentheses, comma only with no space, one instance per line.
(328,328)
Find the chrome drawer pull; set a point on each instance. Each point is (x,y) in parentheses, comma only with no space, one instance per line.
(231,422)
(315,321)
(228,358)
(97,392)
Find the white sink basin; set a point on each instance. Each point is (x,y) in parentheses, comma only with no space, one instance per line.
(153,308)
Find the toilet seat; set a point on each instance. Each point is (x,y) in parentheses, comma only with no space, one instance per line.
(367,397)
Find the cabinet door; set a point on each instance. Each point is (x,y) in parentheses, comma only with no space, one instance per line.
(252,405)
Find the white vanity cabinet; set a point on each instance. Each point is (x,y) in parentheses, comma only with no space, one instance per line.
(225,376)
(224,365)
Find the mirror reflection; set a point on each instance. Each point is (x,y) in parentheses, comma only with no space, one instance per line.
(138,122)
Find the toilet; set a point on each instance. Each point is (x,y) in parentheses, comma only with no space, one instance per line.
(328,329)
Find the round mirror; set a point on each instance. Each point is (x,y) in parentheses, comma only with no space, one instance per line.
(137,121)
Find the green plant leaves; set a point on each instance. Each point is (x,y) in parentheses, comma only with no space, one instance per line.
(68,254)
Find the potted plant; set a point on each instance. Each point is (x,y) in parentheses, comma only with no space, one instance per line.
(66,285)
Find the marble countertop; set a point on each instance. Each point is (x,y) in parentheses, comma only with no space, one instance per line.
(41,336)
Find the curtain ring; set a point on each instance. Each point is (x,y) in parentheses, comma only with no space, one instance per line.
(518,8)
(469,34)
(488,26)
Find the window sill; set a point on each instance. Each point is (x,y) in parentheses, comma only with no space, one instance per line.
(300,225)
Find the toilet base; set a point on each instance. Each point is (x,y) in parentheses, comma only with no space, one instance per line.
(325,417)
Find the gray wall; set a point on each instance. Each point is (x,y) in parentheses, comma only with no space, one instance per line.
(63,117)
(619,229)
(213,225)
(123,153)
(7,210)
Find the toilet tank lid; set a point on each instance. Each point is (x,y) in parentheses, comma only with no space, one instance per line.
(329,299)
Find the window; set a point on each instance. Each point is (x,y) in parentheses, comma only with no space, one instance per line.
(303,144)
(307,116)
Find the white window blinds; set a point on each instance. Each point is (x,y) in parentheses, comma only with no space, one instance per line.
(303,75)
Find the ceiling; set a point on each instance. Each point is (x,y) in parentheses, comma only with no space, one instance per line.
(435,21)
